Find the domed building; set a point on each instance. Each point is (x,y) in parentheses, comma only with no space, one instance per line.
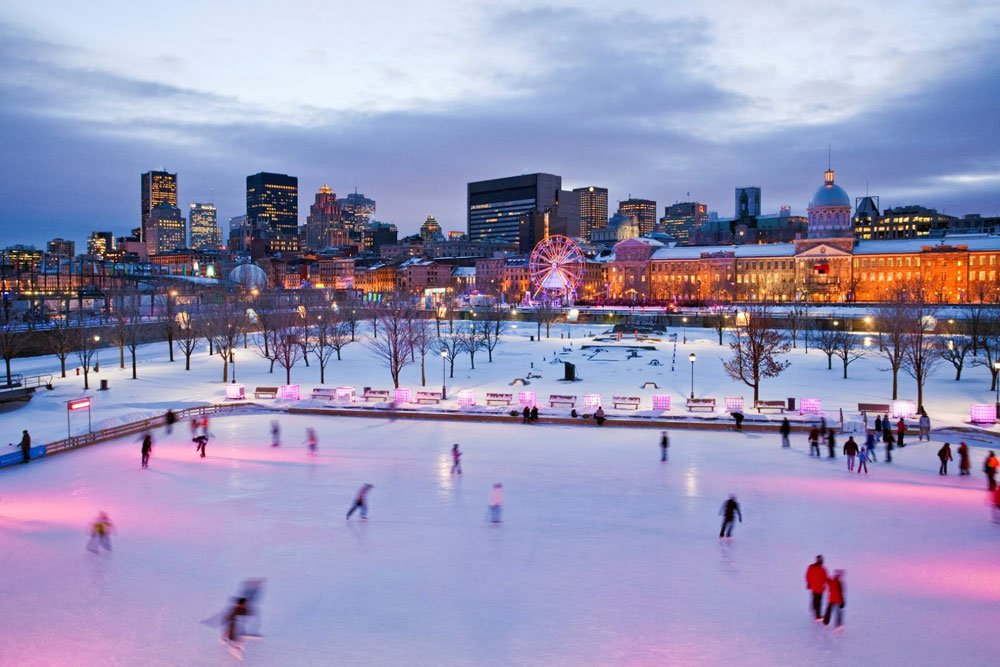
(249,276)
(830,211)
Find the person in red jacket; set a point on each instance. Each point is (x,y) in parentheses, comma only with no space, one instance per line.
(836,598)
(901,431)
(816,578)
(963,459)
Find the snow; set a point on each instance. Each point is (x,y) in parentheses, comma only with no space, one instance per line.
(605,557)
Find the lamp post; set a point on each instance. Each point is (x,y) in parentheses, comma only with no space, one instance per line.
(232,362)
(692,358)
(685,321)
(444,387)
(97,361)
(996,383)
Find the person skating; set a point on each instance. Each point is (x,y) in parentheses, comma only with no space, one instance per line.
(599,415)
(862,460)
(100,533)
(944,454)
(963,459)
(886,428)
(312,441)
(251,590)
(232,632)
(990,466)
(147,448)
(814,442)
(664,446)
(275,433)
(170,419)
(831,443)
(195,422)
(361,501)
(835,601)
(901,432)
(878,423)
(785,430)
(888,446)
(925,427)
(870,445)
(25,446)
(456,460)
(496,503)
(816,578)
(200,442)
(204,425)
(850,451)
(729,512)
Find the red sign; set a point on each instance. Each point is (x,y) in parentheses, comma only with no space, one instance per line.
(78,404)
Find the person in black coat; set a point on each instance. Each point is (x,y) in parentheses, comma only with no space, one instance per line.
(730,511)
(878,423)
(200,441)
(785,430)
(25,446)
(526,415)
(534,413)
(830,443)
(664,446)
(147,448)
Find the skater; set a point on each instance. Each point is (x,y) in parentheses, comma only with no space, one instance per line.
(312,441)
(250,590)
(836,599)
(850,451)
(200,441)
(730,510)
(785,430)
(925,427)
(456,460)
(170,419)
(232,633)
(963,459)
(830,443)
(275,433)
(25,446)
(863,460)
(599,416)
(888,446)
(738,417)
(886,428)
(816,578)
(870,445)
(664,446)
(901,431)
(100,533)
(990,466)
(534,413)
(878,423)
(147,448)
(944,454)
(204,425)
(526,415)
(194,426)
(496,502)
(814,442)
(361,501)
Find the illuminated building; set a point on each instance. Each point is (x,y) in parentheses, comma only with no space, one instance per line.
(377,234)
(274,200)
(593,209)
(431,230)
(157,187)
(830,210)
(100,243)
(205,232)
(521,209)
(166,230)
(325,224)
(357,211)
(902,222)
(680,219)
(643,210)
(61,249)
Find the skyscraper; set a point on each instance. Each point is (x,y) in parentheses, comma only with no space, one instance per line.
(205,232)
(60,248)
(274,200)
(680,219)
(157,187)
(357,210)
(431,230)
(593,209)
(643,210)
(521,209)
(100,243)
(325,222)
(166,231)
(747,202)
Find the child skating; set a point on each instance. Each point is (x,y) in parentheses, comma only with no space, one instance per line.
(361,501)
(496,503)
(100,533)
(312,441)
(456,460)
(200,442)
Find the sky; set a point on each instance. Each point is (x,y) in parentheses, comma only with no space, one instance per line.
(408,102)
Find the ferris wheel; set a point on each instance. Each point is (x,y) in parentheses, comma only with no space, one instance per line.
(556,267)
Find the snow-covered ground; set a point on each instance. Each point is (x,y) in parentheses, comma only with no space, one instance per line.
(606,556)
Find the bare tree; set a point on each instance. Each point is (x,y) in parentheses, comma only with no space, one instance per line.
(187,337)
(60,339)
(720,322)
(12,341)
(827,341)
(547,314)
(423,342)
(796,316)
(451,346)
(470,337)
(494,325)
(393,348)
(989,344)
(954,350)
(131,314)
(227,323)
(849,347)
(287,343)
(85,346)
(168,310)
(920,354)
(350,315)
(756,345)
(328,338)
(892,321)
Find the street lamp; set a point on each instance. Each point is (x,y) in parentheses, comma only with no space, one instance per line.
(97,362)
(692,358)
(444,387)
(232,362)
(685,321)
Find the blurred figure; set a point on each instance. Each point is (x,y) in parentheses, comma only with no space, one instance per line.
(251,590)
(534,413)
(25,446)
(870,445)
(232,628)
(785,430)
(147,448)
(850,451)
(201,441)
(996,506)
(878,423)
(990,466)
(738,417)
(836,599)
(312,440)
(526,415)
(170,419)
(496,503)
(204,425)
(888,445)
(944,454)
(664,446)
(901,431)
(925,427)
(814,441)
(100,533)
(730,510)
(456,460)
(361,501)
(831,442)
(963,459)
(275,433)
(863,460)
(816,578)
(194,426)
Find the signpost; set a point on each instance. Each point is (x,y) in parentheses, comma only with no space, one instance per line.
(76,405)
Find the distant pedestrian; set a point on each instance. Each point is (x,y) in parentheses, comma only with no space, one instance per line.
(526,415)
(816,579)
(200,442)
(863,460)
(990,466)
(901,431)
(831,443)
(664,446)
(312,441)
(275,433)
(147,448)
(361,501)
(100,533)
(170,419)
(785,430)
(878,423)
(25,446)
(738,417)
(534,413)
(456,460)
(944,454)
(888,446)
(835,601)
(870,445)
(925,427)
(599,415)
(814,441)
(729,512)
(496,503)
(963,459)
(850,451)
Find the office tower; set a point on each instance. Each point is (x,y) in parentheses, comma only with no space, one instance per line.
(680,219)
(521,209)
(61,249)
(593,209)
(376,234)
(157,187)
(274,199)
(747,202)
(166,231)
(643,210)
(205,232)
(431,230)
(100,243)
(325,223)
(357,211)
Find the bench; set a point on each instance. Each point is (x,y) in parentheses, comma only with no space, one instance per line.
(329,393)
(377,395)
(265,392)
(561,399)
(770,405)
(504,399)
(882,408)
(704,403)
(427,397)
(627,401)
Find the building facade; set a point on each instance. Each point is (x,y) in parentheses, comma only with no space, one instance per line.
(680,219)
(830,211)
(521,209)
(324,226)
(643,210)
(274,199)
(157,187)
(593,209)
(204,228)
(167,230)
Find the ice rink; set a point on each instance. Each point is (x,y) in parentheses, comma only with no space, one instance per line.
(605,557)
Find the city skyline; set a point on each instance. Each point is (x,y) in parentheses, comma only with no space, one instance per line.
(662,102)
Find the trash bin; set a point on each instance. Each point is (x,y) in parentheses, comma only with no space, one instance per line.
(791,404)
(104,385)
(532,339)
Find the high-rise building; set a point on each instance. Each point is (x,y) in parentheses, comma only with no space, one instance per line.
(205,232)
(643,210)
(100,243)
(157,187)
(377,234)
(61,249)
(521,209)
(357,210)
(431,230)
(325,223)
(167,229)
(593,209)
(680,219)
(274,199)
(747,202)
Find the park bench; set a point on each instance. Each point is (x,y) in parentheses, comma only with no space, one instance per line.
(882,408)
(265,392)
(703,403)
(770,405)
(376,395)
(328,393)
(504,399)
(427,397)
(626,401)
(561,399)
